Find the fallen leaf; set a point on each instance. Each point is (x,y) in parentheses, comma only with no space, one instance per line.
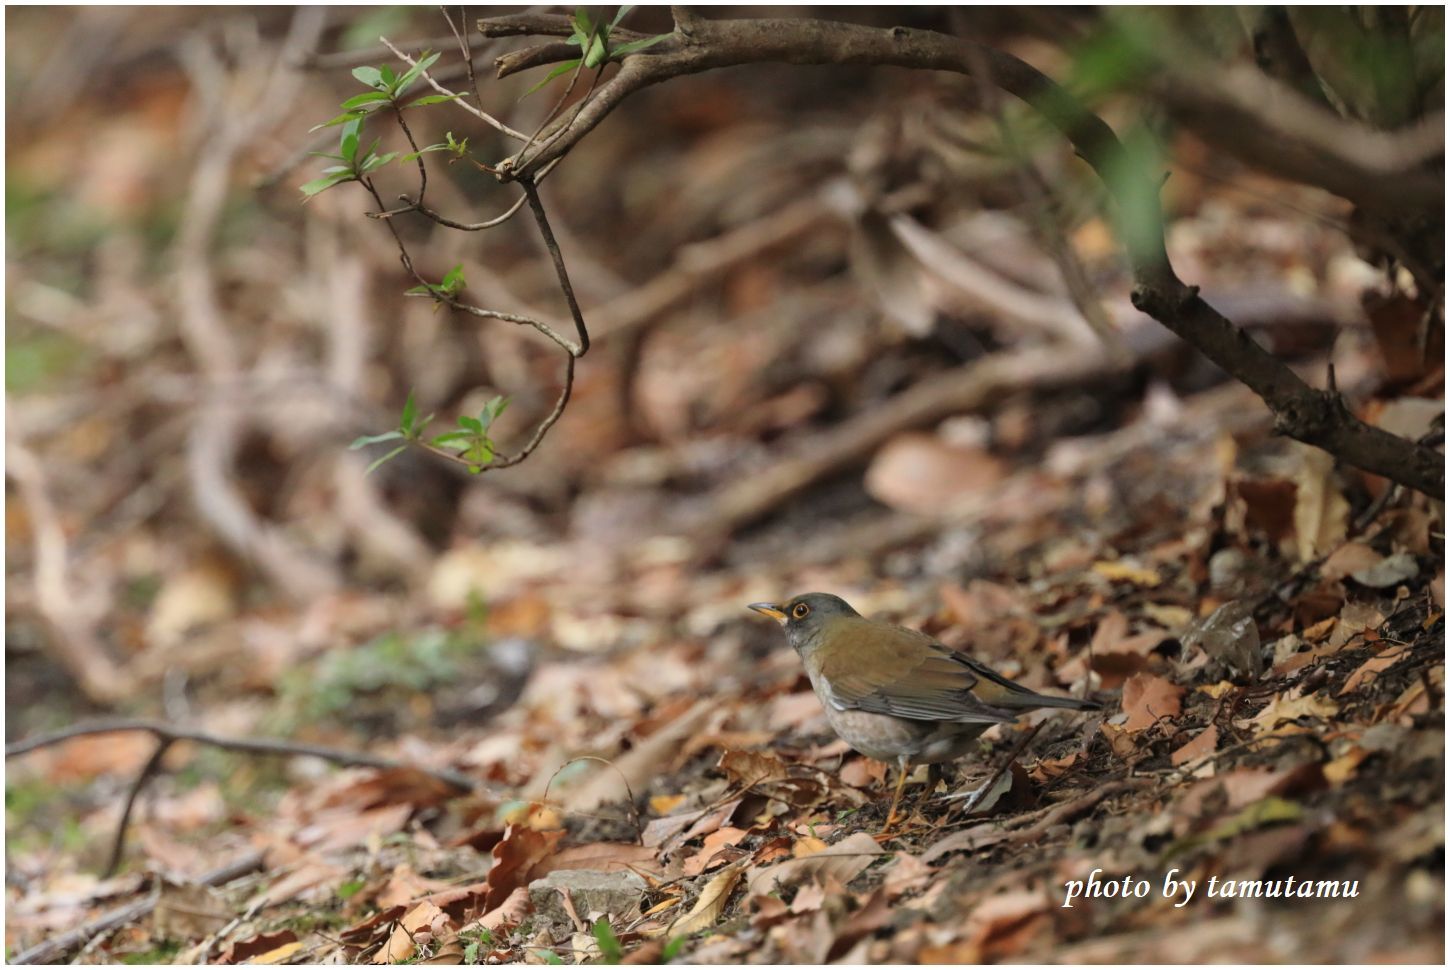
(1321,513)
(713,899)
(918,472)
(1390,571)
(601,857)
(1127,571)
(1373,667)
(1343,768)
(664,804)
(401,942)
(843,861)
(256,948)
(1348,558)
(1204,744)
(1147,698)
(1288,707)
(516,859)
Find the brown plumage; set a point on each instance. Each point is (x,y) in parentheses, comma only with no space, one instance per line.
(896,694)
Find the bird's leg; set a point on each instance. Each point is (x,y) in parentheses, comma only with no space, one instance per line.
(903,766)
(933,778)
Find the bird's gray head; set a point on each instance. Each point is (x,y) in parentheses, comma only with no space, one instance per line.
(806,615)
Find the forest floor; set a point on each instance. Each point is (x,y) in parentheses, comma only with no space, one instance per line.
(586,748)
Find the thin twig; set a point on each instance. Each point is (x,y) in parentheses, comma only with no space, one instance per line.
(54,949)
(476,112)
(269,746)
(148,771)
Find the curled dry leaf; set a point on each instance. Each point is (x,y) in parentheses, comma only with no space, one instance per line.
(402,941)
(843,861)
(1147,698)
(707,909)
(1290,707)
(1370,670)
(516,860)
(1204,744)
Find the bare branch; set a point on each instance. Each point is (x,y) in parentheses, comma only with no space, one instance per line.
(1315,417)
(269,746)
(478,113)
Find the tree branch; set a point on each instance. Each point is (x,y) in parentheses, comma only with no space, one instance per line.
(170,733)
(1310,415)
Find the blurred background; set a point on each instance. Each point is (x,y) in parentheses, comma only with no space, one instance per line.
(842,340)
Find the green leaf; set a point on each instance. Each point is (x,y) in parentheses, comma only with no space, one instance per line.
(378,161)
(372,439)
(635,45)
(340,119)
(410,411)
(347,143)
(452,438)
(597,52)
(470,424)
(621,13)
(388,77)
(673,947)
(563,68)
(440,147)
(432,99)
(386,458)
(316,186)
(582,23)
(367,97)
(454,278)
(412,74)
(609,949)
(351,888)
(368,75)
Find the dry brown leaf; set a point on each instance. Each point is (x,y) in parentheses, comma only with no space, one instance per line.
(1290,707)
(601,857)
(1147,698)
(1348,558)
(1343,768)
(843,861)
(664,804)
(1047,769)
(709,854)
(281,954)
(1373,667)
(188,911)
(255,948)
(920,473)
(515,861)
(1128,572)
(1205,743)
(713,899)
(401,942)
(1321,513)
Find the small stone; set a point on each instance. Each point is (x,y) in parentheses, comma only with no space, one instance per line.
(613,894)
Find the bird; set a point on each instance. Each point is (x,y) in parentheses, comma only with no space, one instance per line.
(896,694)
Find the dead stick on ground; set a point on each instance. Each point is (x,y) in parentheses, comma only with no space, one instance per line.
(52,950)
(169,734)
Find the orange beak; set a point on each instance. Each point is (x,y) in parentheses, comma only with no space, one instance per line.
(770,610)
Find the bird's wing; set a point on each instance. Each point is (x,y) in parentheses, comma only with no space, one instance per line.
(892,670)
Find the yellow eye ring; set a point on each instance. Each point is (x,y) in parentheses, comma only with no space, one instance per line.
(800,611)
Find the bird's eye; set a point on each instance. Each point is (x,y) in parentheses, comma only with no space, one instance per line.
(800,611)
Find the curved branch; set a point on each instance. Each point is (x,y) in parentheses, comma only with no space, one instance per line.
(1316,417)
(171,733)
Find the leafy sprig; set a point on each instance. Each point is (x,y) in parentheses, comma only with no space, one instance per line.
(470,443)
(593,41)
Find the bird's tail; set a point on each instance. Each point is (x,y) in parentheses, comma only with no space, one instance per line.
(1070,703)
